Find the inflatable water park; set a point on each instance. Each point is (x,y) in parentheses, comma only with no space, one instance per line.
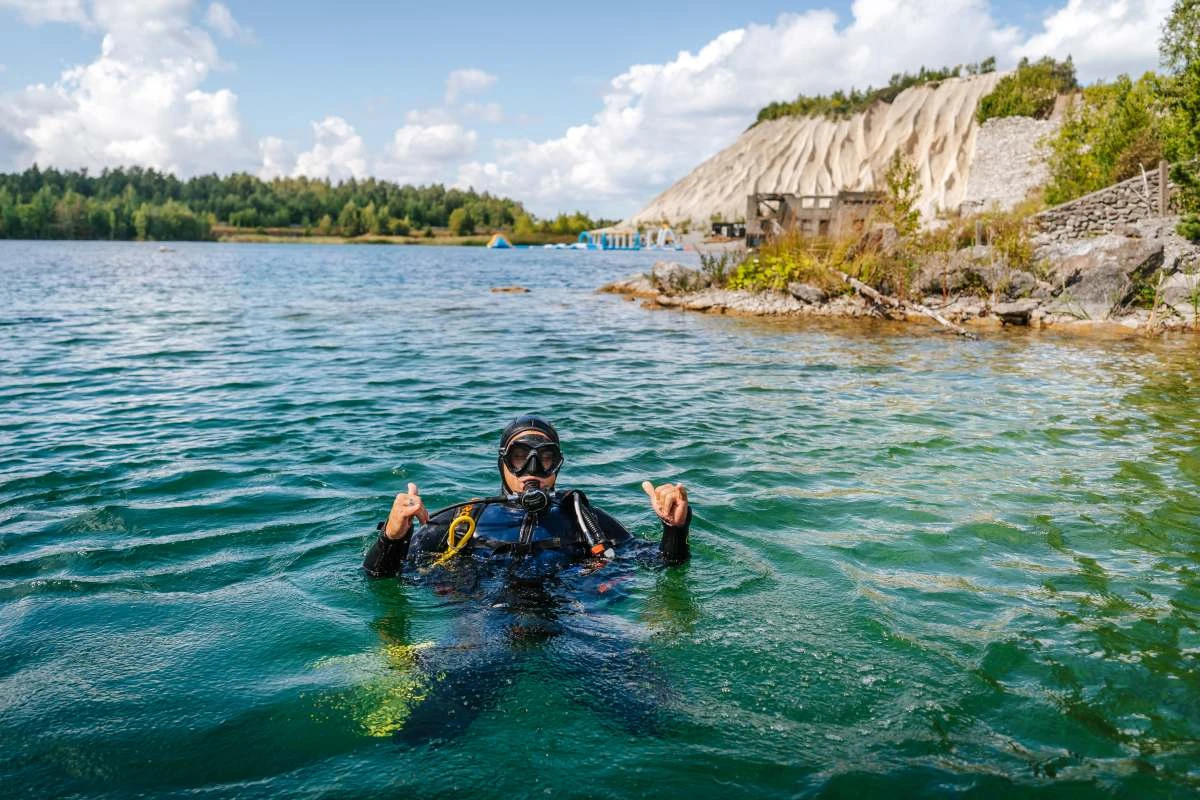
(662,238)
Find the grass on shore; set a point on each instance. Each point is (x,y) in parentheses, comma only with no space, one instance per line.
(891,267)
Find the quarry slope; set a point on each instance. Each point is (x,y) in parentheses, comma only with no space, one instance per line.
(934,125)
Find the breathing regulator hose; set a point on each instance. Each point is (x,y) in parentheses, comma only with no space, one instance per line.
(533,500)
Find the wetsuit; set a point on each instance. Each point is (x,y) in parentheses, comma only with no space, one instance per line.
(528,545)
(528,578)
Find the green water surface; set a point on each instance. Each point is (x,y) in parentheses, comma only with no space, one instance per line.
(921,566)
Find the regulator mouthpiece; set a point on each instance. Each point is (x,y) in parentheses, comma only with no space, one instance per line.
(534,499)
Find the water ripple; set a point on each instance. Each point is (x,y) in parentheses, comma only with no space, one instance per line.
(921,566)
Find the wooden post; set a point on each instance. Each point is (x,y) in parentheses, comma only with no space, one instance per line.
(1163,193)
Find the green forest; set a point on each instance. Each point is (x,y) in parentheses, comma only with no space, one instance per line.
(145,204)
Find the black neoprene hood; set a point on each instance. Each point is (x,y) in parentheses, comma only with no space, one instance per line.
(528,422)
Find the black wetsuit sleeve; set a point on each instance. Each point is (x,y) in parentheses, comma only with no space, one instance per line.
(386,557)
(673,547)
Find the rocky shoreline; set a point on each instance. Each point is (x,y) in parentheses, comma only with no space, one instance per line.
(1141,278)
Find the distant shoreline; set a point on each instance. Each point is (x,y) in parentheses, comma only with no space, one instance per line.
(437,241)
(266,238)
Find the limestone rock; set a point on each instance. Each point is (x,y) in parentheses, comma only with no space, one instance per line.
(807,293)
(1181,292)
(670,277)
(973,270)
(1098,278)
(634,286)
(1017,284)
(1016,312)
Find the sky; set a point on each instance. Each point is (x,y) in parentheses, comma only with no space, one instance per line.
(563,106)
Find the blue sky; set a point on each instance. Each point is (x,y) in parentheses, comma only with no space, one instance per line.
(548,107)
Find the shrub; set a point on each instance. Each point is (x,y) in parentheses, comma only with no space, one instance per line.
(903,193)
(1108,135)
(1030,91)
(1179,50)
(1189,227)
(461,223)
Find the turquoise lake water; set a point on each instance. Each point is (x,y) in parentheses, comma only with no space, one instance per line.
(921,566)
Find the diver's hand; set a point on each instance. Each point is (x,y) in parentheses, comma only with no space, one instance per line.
(407,506)
(669,501)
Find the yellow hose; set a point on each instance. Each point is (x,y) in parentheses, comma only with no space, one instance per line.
(452,547)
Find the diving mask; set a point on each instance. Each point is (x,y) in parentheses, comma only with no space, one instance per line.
(532,456)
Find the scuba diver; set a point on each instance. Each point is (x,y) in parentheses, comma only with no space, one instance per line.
(532,529)
(536,568)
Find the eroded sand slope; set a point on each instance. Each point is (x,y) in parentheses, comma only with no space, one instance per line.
(934,126)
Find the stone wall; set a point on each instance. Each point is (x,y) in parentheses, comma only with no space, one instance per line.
(1101,212)
(1008,163)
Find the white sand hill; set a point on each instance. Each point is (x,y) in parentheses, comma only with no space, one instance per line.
(934,126)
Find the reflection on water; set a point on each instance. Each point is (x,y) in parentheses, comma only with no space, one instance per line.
(921,566)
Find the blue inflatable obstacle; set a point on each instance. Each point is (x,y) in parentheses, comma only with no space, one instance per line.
(663,238)
(610,240)
(498,242)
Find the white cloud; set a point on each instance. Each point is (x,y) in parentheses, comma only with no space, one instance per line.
(658,121)
(338,152)
(466,81)
(423,153)
(139,102)
(36,12)
(418,153)
(1104,37)
(277,156)
(220,19)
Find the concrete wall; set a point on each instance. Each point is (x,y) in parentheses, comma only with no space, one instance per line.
(1101,212)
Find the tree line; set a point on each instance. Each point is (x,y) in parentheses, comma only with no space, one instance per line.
(841,104)
(139,203)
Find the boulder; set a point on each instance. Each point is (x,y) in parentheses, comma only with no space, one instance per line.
(1181,292)
(670,277)
(1101,276)
(807,293)
(1012,283)
(634,286)
(1016,312)
(972,271)
(954,273)
(1043,290)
